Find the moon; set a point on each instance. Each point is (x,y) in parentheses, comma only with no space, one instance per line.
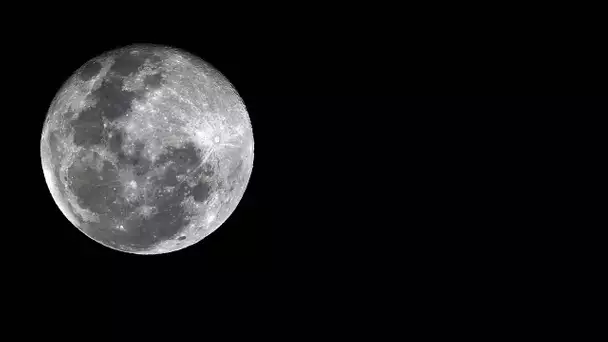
(147,149)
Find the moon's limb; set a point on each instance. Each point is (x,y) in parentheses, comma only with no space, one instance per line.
(171,103)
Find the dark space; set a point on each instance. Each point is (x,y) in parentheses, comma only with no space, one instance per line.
(380,149)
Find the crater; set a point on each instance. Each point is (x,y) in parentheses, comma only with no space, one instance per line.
(207,170)
(201,192)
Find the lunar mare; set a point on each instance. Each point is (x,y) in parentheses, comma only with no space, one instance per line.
(147,149)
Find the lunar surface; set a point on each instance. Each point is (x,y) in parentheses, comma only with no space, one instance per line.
(147,149)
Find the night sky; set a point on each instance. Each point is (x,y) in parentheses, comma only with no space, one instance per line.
(379,151)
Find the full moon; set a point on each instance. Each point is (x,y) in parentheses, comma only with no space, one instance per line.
(147,149)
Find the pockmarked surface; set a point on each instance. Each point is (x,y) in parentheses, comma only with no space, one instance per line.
(147,149)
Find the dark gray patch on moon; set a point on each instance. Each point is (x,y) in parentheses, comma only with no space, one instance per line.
(89,70)
(171,177)
(236,171)
(183,158)
(88,128)
(153,58)
(171,218)
(114,142)
(92,192)
(201,192)
(112,103)
(140,164)
(153,81)
(140,233)
(112,100)
(127,63)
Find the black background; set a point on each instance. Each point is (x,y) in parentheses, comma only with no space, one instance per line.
(386,145)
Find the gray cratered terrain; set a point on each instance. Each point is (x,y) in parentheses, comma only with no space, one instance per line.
(147,149)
